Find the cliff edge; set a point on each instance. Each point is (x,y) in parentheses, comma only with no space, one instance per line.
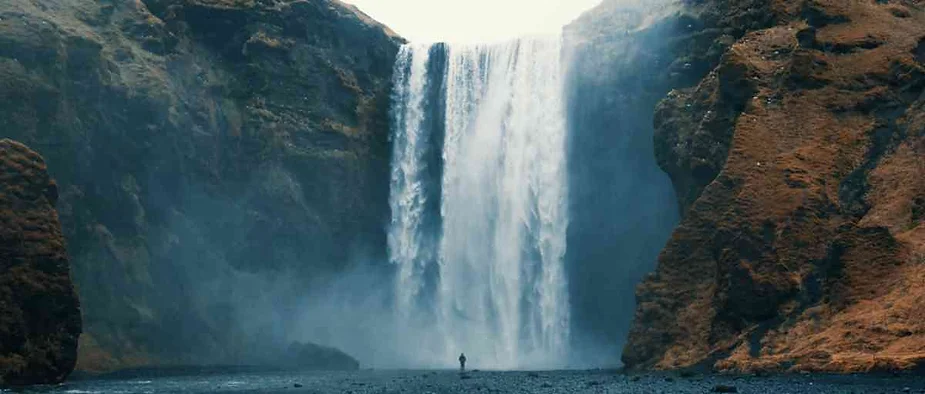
(797,161)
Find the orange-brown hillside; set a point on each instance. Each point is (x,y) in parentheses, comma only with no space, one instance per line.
(39,311)
(800,167)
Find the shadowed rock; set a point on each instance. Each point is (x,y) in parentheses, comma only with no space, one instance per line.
(201,146)
(309,356)
(39,311)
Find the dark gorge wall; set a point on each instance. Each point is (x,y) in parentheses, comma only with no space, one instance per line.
(626,58)
(622,204)
(218,159)
(205,150)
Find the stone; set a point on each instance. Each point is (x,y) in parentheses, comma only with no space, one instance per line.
(309,356)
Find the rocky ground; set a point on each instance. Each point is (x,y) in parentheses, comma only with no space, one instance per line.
(449,382)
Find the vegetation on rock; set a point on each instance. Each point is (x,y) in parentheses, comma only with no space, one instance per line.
(797,161)
(39,310)
(204,149)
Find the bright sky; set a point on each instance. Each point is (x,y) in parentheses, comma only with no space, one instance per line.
(473,20)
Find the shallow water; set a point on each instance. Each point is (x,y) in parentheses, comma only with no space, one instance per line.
(363,382)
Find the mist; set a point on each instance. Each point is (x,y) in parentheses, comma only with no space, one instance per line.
(623,205)
(473,21)
(621,211)
(253,273)
(268,195)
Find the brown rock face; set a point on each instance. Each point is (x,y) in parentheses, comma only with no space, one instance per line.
(623,61)
(39,311)
(798,163)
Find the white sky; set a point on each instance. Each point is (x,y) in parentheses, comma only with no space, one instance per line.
(473,20)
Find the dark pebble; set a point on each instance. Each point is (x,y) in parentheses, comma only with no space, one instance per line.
(297,385)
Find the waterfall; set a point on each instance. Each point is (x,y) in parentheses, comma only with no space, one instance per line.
(479,202)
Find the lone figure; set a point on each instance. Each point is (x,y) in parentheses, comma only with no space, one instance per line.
(462,362)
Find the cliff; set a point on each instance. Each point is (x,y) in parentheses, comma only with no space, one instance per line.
(622,207)
(39,310)
(214,158)
(625,57)
(797,161)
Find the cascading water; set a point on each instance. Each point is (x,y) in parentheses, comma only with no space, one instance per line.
(479,202)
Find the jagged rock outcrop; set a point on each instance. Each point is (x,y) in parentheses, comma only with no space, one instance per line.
(39,310)
(798,165)
(214,157)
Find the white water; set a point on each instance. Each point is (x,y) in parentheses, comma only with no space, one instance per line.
(487,278)
(407,199)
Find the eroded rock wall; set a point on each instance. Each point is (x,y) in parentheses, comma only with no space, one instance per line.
(798,165)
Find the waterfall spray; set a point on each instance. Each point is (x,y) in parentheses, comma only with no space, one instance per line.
(484,270)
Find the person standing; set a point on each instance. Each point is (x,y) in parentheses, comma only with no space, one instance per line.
(462,362)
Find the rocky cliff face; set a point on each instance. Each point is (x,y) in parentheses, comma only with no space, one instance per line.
(625,58)
(204,149)
(797,160)
(39,311)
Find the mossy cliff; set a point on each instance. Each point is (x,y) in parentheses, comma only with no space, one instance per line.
(200,146)
(39,310)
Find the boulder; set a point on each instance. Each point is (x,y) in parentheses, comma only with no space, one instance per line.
(309,356)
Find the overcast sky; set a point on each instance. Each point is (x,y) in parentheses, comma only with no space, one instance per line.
(473,20)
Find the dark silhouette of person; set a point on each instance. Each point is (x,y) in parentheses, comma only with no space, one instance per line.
(462,362)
